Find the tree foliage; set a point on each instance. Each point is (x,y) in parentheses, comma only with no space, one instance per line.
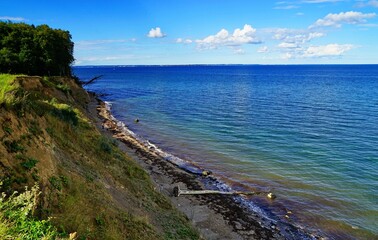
(31,50)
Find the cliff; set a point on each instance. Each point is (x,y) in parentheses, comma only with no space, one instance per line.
(88,185)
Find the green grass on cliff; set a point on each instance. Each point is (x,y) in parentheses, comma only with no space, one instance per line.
(88,185)
(6,85)
(17,221)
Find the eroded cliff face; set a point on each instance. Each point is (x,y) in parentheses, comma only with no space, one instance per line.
(88,185)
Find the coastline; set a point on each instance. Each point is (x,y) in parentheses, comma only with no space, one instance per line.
(215,216)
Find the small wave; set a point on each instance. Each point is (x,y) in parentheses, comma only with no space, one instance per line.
(181,163)
(212,183)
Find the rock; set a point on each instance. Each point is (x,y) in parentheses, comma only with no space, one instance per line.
(271,196)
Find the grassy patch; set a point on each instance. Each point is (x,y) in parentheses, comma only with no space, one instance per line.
(6,85)
(177,228)
(56,183)
(85,164)
(64,88)
(52,82)
(13,146)
(34,128)
(67,113)
(16,220)
(29,163)
(6,126)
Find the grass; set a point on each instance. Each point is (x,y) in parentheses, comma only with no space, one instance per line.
(13,146)
(29,163)
(16,217)
(6,85)
(80,166)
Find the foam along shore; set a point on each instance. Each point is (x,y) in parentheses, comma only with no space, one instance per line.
(216,216)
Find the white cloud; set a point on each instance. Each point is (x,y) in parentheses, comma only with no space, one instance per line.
(337,19)
(186,41)
(287,45)
(295,36)
(322,51)
(327,50)
(155,33)
(15,19)
(224,38)
(263,49)
(371,3)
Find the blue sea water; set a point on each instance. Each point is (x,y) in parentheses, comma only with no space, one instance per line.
(308,132)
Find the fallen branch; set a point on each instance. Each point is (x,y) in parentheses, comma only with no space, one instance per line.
(92,80)
(177,192)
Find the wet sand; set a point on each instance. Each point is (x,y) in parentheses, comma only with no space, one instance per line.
(215,216)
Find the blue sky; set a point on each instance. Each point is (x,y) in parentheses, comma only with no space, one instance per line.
(163,32)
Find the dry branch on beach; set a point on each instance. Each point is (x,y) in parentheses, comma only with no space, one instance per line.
(177,192)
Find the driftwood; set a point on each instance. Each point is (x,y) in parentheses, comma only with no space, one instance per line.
(177,192)
(92,80)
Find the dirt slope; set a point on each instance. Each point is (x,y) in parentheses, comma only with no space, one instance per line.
(88,185)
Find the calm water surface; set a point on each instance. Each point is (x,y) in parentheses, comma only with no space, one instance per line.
(309,133)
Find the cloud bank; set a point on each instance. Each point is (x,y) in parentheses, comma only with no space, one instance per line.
(246,35)
(327,50)
(336,20)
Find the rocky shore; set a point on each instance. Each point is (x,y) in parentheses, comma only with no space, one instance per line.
(216,216)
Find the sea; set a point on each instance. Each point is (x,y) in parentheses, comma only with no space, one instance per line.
(308,133)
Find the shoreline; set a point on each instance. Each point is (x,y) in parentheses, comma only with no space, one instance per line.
(215,216)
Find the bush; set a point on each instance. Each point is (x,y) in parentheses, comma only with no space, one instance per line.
(16,220)
(13,146)
(29,163)
(65,113)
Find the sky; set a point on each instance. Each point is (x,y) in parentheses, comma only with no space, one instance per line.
(173,32)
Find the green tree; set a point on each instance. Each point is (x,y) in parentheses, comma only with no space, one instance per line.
(41,50)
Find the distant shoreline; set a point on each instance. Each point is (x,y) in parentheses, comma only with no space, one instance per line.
(195,64)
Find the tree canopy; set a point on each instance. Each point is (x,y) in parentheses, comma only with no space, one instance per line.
(31,50)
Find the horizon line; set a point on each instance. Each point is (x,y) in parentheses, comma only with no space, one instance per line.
(221,64)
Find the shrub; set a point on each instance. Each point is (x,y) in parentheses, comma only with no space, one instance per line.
(29,163)
(13,146)
(56,183)
(105,145)
(16,220)
(64,88)
(65,113)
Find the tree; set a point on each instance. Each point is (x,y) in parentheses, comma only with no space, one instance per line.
(41,50)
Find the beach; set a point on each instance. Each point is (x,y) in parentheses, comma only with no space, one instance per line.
(215,216)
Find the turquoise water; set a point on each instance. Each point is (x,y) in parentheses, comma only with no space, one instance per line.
(309,133)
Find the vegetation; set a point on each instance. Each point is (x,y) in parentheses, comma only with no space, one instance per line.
(16,220)
(32,50)
(47,139)
(89,186)
(6,83)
